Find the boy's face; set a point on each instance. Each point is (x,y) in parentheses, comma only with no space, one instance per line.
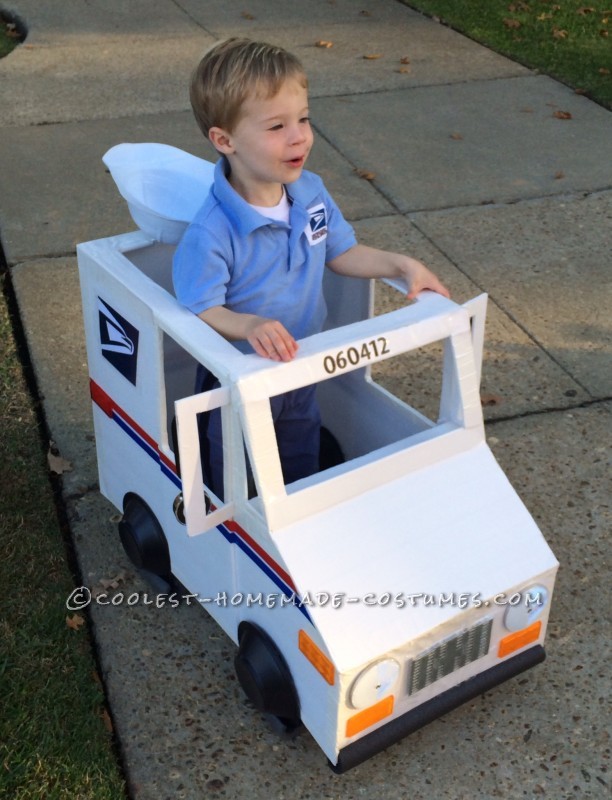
(269,145)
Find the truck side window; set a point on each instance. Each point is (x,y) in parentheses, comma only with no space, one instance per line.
(179,377)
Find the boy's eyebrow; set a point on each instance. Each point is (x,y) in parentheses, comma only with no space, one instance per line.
(303,111)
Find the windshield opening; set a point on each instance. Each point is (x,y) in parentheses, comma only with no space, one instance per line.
(361,411)
(415,378)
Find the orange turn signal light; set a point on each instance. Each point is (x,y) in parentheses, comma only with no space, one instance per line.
(519,639)
(369,716)
(317,657)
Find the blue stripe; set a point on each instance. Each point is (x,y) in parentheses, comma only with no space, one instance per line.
(234,538)
(147,448)
(169,474)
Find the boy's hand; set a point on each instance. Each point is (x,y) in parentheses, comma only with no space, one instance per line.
(270,339)
(361,261)
(418,278)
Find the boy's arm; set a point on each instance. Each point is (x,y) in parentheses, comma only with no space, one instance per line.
(268,337)
(361,261)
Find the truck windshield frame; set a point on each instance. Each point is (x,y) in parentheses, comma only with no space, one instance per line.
(331,353)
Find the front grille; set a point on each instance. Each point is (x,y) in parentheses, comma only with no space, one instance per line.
(449,656)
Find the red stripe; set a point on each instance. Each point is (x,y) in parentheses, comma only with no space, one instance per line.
(108,405)
(100,398)
(235,528)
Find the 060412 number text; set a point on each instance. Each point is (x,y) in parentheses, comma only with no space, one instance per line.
(354,355)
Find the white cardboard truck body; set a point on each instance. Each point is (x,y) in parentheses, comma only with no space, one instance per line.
(380,579)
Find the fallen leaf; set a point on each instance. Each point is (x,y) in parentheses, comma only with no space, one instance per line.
(106,584)
(366,13)
(372,56)
(559,34)
(604,71)
(365,174)
(109,583)
(246,15)
(542,17)
(404,60)
(559,175)
(562,115)
(518,7)
(585,10)
(456,136)
(491,400)
(75,622)
(323,43)
(108,723)
(403,69)
(604,33)
(57,464)
(512,23)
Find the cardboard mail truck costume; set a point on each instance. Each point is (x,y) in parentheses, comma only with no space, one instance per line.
(365,600)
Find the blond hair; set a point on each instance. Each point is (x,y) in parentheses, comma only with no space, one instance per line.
(231,71)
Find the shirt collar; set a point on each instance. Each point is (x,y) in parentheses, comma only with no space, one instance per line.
(305,190)
(243,216)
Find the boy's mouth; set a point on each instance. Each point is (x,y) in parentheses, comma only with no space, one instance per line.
(295,162)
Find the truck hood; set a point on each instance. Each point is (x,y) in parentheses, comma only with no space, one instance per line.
(454,529)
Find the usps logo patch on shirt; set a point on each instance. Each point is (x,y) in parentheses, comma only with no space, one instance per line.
(316,230)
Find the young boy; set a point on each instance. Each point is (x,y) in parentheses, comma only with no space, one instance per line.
(251,263)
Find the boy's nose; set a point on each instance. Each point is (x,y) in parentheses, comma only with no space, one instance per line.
(297,134)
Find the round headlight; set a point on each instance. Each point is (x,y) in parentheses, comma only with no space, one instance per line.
(374,683)
(521,615)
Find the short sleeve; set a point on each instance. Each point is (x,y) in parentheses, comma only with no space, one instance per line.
(201,269)
(340,235)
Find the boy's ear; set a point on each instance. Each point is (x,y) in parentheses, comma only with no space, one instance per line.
(221,140)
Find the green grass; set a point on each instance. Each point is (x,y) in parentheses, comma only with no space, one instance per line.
(53,740)
(9,36)
(567,39)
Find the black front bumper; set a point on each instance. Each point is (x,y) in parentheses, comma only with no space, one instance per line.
(411,721)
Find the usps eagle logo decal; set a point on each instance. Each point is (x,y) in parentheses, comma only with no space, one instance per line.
(316,230)
(118,341)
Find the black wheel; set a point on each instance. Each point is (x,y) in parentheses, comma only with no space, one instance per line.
(144,542)
(265,677)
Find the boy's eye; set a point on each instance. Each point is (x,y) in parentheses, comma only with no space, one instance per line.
(277,127)
(305,119)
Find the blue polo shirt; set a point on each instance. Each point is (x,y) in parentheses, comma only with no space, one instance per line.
(232,256)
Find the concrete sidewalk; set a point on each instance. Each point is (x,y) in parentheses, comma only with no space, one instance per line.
(476,175)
